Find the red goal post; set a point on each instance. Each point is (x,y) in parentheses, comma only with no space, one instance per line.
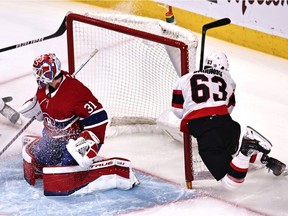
(138,62)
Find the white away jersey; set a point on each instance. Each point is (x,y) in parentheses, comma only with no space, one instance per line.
(203,93)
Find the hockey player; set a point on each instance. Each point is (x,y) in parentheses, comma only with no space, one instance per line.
(74,130)
(71,115)
(204,101)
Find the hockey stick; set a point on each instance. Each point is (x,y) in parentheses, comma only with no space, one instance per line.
(17,135)
(81,66)
(58,33)
(206,27)
(188,148)
(34,117)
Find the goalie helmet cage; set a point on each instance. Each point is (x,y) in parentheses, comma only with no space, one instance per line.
(138,62)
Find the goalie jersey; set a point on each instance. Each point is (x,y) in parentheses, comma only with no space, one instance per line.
(203,93)
(70,109)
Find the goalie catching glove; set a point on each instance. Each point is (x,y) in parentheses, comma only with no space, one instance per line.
(32,108)
(84,149)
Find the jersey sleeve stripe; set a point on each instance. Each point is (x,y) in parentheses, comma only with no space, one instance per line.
(177,99)
(95,125)
(97,118)
(232,101)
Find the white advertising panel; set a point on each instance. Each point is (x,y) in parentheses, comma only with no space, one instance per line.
(269,16)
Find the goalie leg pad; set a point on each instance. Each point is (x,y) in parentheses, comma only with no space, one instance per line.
(123,181)
(31,169)
(102,175)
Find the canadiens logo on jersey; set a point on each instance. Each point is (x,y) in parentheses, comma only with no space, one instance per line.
(48,121)
(61,128)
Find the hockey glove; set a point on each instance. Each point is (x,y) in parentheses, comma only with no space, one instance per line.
(32,108)
(84,149)
(2,104)
(8,111)
(3,101)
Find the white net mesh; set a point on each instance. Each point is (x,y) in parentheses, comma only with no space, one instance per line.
(133,77)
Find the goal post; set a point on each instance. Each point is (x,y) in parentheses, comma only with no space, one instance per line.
(138,62)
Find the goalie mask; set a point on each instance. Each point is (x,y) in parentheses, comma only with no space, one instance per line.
(217,61)
(45,68)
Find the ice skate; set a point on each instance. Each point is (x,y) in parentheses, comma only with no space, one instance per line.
(253,142)
(273,164)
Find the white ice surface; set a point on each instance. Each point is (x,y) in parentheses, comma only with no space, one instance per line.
(261,96)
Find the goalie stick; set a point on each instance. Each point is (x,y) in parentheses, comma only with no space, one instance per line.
(58,33)
(81,66)
(34,117)
(206,27)
(17,135)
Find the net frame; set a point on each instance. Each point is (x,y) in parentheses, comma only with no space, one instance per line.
(184,65)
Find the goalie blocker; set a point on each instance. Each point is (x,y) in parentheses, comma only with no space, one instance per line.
(65,180)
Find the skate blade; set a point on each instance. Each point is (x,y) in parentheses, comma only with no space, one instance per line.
(256,135)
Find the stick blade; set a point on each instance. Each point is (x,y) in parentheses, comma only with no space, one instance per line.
(217,23)
(59,31)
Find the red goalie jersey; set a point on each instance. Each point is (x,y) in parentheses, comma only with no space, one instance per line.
(70,109)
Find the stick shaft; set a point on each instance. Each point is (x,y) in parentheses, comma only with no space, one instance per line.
(17,135)
(81,66)
(206,27)
(59,32)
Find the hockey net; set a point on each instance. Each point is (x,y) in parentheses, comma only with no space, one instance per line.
(138,62)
